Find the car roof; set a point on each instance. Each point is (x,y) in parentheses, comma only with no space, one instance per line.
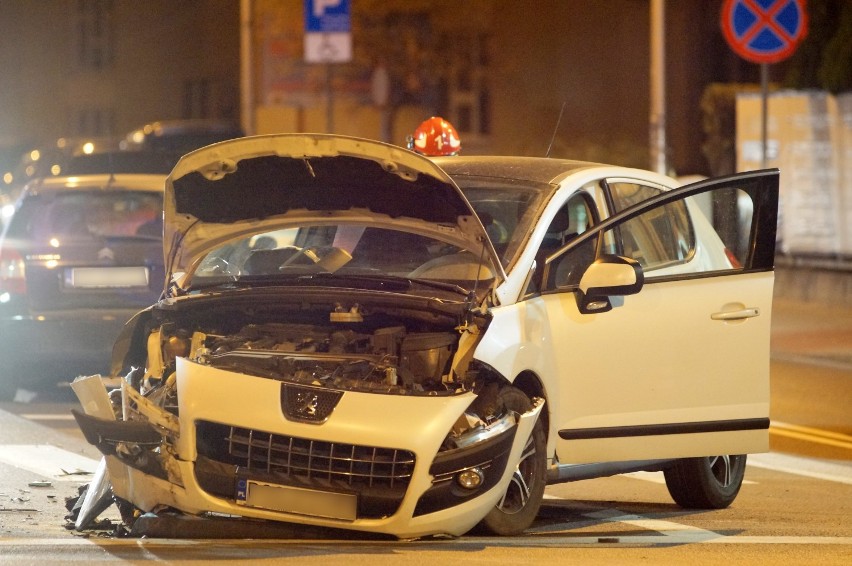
(120,182)
(535,169)
(121,161)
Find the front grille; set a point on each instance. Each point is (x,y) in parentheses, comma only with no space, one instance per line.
(355,466)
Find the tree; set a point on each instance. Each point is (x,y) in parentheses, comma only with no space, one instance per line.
(824,59)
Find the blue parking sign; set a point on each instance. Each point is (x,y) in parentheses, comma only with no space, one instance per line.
(327,16)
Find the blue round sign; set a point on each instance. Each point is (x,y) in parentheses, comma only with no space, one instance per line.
(764,31)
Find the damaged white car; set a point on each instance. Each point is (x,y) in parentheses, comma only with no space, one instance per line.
(356,336)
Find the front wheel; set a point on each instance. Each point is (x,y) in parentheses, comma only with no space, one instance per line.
(706,483)
(519,506)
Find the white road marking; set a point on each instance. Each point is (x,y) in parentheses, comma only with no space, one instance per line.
(807,467)
(666,533)
(48,461)
(662,527)
(47,417)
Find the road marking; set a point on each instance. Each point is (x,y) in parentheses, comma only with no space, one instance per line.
(47,416)
(48,461)
(802,467)
(819,436)
(665,533)
(649,524)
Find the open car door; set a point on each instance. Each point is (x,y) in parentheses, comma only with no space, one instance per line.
(662,344)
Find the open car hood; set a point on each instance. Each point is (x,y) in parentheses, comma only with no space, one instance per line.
(261,183)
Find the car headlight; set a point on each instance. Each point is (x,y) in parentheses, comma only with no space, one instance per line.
(470,464)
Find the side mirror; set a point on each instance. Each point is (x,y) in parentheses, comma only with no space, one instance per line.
(608,276)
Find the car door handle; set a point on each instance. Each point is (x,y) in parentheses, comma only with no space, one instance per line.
(737,314)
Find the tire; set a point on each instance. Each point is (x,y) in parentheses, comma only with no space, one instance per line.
(706,483)
(518,507)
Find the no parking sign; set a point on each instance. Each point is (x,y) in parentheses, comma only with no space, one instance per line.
(764,31)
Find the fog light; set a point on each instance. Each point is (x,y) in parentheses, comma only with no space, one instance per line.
(470,478)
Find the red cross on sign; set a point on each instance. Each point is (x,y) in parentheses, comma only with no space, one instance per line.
(764,31)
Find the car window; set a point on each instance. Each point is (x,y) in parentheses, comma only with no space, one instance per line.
(659,238)
(84,214)
(342,250)
(698,235)
(507,212)
(572,219)
(624,195)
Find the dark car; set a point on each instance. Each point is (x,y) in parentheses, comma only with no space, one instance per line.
(120,161)
(181,136)
(79,256)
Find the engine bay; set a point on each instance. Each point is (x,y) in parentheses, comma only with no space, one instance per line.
(399,351)
(388,359)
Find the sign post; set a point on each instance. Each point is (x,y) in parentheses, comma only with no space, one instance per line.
(764,32)
(328,39)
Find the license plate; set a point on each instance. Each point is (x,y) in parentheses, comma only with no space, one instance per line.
(99,277)
(287,499)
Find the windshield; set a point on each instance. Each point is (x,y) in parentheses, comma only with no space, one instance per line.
(506,210)
(342,250)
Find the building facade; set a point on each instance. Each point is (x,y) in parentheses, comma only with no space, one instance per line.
(570,76)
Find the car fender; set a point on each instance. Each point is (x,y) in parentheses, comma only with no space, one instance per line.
(513,342)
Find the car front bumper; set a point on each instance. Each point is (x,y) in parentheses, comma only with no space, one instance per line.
(374,465)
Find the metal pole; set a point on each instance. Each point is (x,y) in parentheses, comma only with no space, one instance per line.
(329,103)
(246,68)
(764,111)
(658,88)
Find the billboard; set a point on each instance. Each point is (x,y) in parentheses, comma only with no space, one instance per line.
(809,138)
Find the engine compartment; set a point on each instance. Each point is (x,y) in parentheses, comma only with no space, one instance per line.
(394,349)
(388,360)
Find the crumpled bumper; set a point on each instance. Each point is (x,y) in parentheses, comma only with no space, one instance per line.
(373,466)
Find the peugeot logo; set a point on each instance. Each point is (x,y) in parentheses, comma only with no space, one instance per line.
(306,404)
(106,253)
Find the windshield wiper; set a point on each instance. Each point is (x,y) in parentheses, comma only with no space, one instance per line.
(397,283)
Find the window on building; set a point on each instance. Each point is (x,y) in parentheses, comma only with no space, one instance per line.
(94,122)
(196,98)
(469,105)
(95,33)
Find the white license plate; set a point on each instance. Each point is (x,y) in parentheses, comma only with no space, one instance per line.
(97,277)
(287,499)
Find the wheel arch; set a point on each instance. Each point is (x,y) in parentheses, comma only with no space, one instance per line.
(532,386)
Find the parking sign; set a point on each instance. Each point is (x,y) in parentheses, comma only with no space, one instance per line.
(327,31)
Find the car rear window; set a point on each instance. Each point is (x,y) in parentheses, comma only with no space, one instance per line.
(86,214)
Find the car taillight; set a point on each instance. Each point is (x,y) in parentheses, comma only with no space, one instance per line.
(12,277)
(735,263)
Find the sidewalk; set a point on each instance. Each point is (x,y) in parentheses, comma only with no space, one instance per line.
(812,331)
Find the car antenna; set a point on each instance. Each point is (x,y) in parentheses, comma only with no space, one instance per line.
(472,295)
(556,129)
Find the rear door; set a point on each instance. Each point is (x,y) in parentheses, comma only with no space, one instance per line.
(680,368)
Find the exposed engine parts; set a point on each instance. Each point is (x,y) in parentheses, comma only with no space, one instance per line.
(386,359)
(376,351)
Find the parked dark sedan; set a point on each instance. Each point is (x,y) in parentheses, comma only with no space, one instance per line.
(79,256)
